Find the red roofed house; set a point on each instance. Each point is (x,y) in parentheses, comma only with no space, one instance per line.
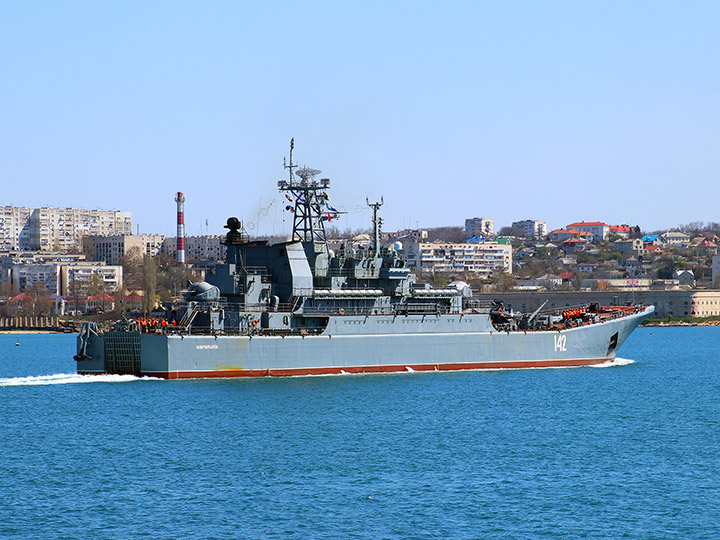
(18,302)
(134,300)
(573,245)
(699,237)
(706,247)
(21,299)
(101,301)
(598,229)
(558,235)
(623,231)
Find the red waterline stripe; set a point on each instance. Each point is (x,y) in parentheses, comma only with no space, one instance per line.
(290,372)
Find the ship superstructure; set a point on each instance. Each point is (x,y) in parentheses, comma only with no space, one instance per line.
(298,308)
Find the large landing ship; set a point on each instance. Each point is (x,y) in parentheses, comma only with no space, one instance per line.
(298,308)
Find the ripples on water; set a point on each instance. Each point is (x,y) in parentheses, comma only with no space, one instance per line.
(630,451)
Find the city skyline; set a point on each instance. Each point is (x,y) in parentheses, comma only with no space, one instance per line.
(32,228)
(512,111)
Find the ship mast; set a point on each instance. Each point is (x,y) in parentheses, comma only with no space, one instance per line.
(377,222)
(308,201)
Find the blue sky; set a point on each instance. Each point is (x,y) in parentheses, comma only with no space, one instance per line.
(561,111)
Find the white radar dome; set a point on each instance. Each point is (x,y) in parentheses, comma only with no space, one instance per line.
(461,287)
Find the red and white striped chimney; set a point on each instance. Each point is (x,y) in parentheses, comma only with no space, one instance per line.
(180,200)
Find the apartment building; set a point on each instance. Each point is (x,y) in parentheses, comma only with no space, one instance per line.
(57,229)
(202,248)
(675,238)
(478,226)
(598,229)
(112,249)
(482,258)
(532,228)
(111,277)
(58,277)
(15,228)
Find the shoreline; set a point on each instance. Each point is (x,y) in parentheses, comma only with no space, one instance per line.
(679,323)
(20,332)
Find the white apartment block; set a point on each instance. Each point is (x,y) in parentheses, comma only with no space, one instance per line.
(15,228)
(204,248)
(57,229)
(478,226)
(9,258)
(531,227)
(481,258)
(675,238)
(112,249)
(598,229)
(81,273)
(26,276)
(58,277)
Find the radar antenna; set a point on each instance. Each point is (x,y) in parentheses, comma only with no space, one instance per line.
(308,201)
(292,165)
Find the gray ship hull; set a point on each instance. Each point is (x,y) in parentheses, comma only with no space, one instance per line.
(358,344)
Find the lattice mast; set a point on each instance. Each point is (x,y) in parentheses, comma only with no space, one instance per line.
(309,201)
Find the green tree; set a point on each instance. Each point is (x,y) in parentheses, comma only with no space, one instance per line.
(447,234)
(149,283)
(119,295)
(132,263)
(576,282)
(437,281)
(78,291)
(583,257)
(42,299)
(7,289)
(667,268)
(536,269)
(96,285)
(504,282)
(173,278)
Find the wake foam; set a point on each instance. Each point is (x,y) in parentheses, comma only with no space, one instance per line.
(71,378)
(615,363)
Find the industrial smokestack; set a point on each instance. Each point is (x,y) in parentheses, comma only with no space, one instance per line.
(180,200)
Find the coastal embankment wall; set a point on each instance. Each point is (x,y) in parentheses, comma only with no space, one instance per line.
(31,323)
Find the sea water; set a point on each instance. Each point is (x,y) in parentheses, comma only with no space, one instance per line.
(626,451)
